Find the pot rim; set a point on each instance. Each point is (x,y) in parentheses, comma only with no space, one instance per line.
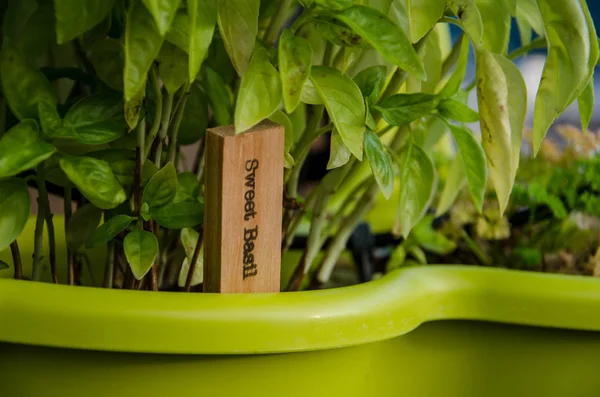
(177,323)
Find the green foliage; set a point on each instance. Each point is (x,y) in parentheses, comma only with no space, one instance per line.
(14,209)
(141,249)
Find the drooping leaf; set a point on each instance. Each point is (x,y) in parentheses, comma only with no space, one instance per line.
(528,12)
(161,188)
(517,108)
(401,109)
(108,59)
(74,17)
(163,12)
(572,55)
(417,182)
(172,67)
(142,44)
(586,105)
(218,96)
(492,93)
(195,117)
(281,118)
(339,154)
(385,36)
(469,16)
(423,16)
(189,239)
(22,149)
(380,162)
(96,119)
(454,82)
(82,224)
(344,103)
(337,33)
(496,19)
(474,163)
(238,24)
(14,209)
(23,86)
(132,109)
(179,31)
(456,110)
(295,57)
(141,249)
(95,179)
(203,18)
(260,92)
(455,181)
(109,230)
(371,81)
(179,215)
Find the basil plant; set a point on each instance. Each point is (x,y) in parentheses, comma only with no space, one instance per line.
(99,97)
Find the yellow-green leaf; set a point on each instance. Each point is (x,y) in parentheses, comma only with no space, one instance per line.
(141,249)
(238,24)
(586,105)
(163,12)
(423,16)
(203,17)
(295,58)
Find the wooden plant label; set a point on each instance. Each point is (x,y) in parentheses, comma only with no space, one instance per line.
(242,207)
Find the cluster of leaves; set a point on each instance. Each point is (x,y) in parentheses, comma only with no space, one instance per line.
(101,95)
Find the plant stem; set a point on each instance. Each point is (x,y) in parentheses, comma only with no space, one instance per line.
(338,244)
(2,115)
(539,42)
(153,275)
(137,176)
(174,128)
(16,257)
(475,249)
(302,148)
(167,106)
(277,21)
(297,220)
(109,270)
(43,201)
(68,210)
(192,268)
(38,242)
(158,104)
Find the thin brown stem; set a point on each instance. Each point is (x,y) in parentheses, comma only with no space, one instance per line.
(192,268)
(16,257)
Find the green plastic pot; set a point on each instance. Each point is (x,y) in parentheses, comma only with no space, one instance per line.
(435,331)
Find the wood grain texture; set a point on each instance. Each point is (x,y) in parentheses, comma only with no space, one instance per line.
(243,209)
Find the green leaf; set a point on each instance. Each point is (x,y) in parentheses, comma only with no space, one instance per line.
(179,32)
(492,93)
(469,16)
(132,109)
(344,103)
(310,95)
(4,265)
(195,117)
(496,18)
(189,239)
(161,188)
(586,105)
(401,109)
(339,154)
(218,96)
(572,56)
(238,24)
(339,34)
(474,163)
(141,249)
(142,44)
(82,224)
(23,85)
(528,16)
(423,16)
(455,181)
(385,36)
(282,119)
(517,108)
(381,163)
(14,209)
(172,67)
(455,81)
(456,110)
(74,17)
(295,58)
(16,16)
(107,58)
(203,17)
(417,182)
(95,179)
(188,187)
(430,239)
(163,12)
(371,81)
(334,4)
(21,149)
(97,119)
(260,92)
(49,118)
(109,230)
(179,215)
